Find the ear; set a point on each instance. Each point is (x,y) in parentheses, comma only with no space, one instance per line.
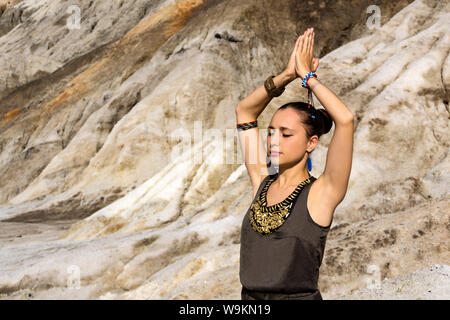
(312,143)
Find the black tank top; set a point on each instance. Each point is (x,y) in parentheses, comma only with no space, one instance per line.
(288,259)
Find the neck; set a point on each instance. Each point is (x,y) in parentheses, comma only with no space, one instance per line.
(291,177)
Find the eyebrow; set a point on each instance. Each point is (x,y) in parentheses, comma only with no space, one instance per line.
(282,128)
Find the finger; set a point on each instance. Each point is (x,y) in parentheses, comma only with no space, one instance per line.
(315,63)
(312,43)
(304,43)
(308,42)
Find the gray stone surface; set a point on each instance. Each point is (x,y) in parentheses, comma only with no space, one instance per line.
(92,171)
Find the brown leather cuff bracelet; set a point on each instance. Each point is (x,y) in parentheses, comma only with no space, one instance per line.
(271,89)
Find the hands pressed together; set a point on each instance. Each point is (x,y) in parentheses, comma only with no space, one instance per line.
(301,61)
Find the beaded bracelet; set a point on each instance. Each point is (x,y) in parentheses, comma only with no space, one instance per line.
(305,85)
(272,90)
(314,76)
(306,78)
(247,125)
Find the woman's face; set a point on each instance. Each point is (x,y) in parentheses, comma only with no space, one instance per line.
(286,138)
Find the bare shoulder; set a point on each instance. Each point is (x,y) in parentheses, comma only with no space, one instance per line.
(320,202)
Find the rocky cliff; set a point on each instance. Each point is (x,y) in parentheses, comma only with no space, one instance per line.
(115,152)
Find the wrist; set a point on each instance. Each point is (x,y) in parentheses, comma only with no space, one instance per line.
(313,82)
(304,73)
(308,77)
(287,77)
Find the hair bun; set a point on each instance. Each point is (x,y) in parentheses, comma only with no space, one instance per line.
(315,121)
(325,120)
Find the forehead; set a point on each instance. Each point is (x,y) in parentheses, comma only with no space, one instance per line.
(287,118)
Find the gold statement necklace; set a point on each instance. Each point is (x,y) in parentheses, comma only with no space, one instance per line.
(266,220)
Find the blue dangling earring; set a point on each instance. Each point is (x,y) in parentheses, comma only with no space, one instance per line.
(309,163)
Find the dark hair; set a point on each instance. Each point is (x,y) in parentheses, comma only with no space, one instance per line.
(319,125)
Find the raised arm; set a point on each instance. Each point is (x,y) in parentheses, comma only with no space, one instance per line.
(339,156)
(252,146)
(248,110)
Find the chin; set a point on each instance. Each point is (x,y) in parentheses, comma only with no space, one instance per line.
(274,159)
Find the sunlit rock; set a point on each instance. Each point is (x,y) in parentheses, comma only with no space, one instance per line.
(118,175)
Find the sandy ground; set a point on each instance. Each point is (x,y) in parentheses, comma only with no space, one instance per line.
(18,233)
(432,283)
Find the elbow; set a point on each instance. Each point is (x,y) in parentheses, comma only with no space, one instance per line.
(349,119)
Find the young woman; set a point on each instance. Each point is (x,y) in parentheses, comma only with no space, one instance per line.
(284,231)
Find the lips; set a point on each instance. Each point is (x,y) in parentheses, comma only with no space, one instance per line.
(275,153)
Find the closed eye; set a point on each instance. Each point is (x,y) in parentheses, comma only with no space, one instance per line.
(284,135)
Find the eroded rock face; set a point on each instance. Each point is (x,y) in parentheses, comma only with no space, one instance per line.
(67,89)
(78,108)
(92,119)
